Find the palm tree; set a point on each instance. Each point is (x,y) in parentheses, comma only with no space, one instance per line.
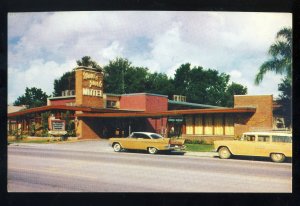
(281,57)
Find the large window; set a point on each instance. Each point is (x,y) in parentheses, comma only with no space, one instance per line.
(208,122)
(229,124)
(189,124)
(218,124)
(199,124)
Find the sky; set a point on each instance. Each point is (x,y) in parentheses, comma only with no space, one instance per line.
(42,46)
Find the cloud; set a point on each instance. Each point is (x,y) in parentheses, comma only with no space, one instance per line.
(232,42)
(40,74)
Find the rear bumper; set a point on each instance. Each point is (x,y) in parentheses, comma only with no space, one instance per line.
(176,147)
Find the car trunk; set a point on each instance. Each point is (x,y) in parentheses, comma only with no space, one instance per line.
(178,142)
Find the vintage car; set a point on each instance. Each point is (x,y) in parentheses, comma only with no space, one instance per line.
(276,145)
(151,142)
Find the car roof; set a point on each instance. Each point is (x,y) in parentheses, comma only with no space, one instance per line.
(269,133)
(147,133)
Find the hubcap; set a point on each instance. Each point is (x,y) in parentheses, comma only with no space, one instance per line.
(224,153)
(117,147)
(152,150)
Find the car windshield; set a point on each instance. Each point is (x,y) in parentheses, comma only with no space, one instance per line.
(155,136)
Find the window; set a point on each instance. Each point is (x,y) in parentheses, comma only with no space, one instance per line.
(198,125)
(250,138)
(287,139)
(140,135)
(229,124)
(263,138)
(111,104)
(208,128)
(155,136)
(189,124)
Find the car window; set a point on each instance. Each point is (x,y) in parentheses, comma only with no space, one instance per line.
(249,138)
(156,136)
(134,135)
(263,138)
(140,135)
(276,138)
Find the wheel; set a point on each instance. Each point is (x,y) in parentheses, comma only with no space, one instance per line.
(152,150)
(117,147)
(224,153)
(277,157)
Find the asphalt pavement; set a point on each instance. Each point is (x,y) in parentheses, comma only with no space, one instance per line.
(92,166)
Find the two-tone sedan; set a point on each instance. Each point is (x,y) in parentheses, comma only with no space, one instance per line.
(150,142)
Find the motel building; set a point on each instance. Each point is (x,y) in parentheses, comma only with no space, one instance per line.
(96,114)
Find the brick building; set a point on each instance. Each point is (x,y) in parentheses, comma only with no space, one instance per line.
(101,115)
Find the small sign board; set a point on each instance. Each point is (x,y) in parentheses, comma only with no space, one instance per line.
(58,127)
(175,119)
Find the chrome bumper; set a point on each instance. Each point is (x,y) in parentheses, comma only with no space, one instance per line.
(176,147)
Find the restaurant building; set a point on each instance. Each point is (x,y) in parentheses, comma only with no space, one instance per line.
(96,114)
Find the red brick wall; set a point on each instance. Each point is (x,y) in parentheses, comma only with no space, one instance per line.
(262,119)
(137,102)
(148,103)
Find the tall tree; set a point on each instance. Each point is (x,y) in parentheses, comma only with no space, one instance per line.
(206,86)
(88,62)
(67,80)
(285,101)
(33,97)
(159,83)
(114,75)
(233,89)
(280,53)
(281,63)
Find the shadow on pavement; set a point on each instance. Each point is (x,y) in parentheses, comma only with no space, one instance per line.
(260,159)
(159,152)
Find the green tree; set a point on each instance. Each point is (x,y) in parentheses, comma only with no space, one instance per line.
(233,89)
(114,75)
(199,85)
(280,53)
(67,80)
(88,62)
(285,100)
(159,83)
(33,97)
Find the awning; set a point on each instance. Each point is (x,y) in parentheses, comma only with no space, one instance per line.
(168,113)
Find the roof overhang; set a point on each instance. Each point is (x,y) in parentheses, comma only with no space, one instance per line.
(169,113)
(70,108)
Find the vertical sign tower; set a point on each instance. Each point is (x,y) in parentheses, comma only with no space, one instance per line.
(89,87)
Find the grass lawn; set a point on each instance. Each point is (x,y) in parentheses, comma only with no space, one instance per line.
(199,147)
(32,141)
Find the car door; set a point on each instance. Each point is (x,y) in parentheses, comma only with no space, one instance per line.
(262,145)
(246,145)
(130,142)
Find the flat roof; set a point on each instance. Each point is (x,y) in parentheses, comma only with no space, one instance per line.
(169,113)
(63,97)
(144,93)
(193,104)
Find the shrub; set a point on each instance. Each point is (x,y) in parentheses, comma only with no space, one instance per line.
(195,141)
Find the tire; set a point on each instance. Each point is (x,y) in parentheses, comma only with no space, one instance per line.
(224,153)
(152,150)
(117,147)
(277,157)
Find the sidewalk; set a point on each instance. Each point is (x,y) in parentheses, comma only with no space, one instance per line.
(202,154)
